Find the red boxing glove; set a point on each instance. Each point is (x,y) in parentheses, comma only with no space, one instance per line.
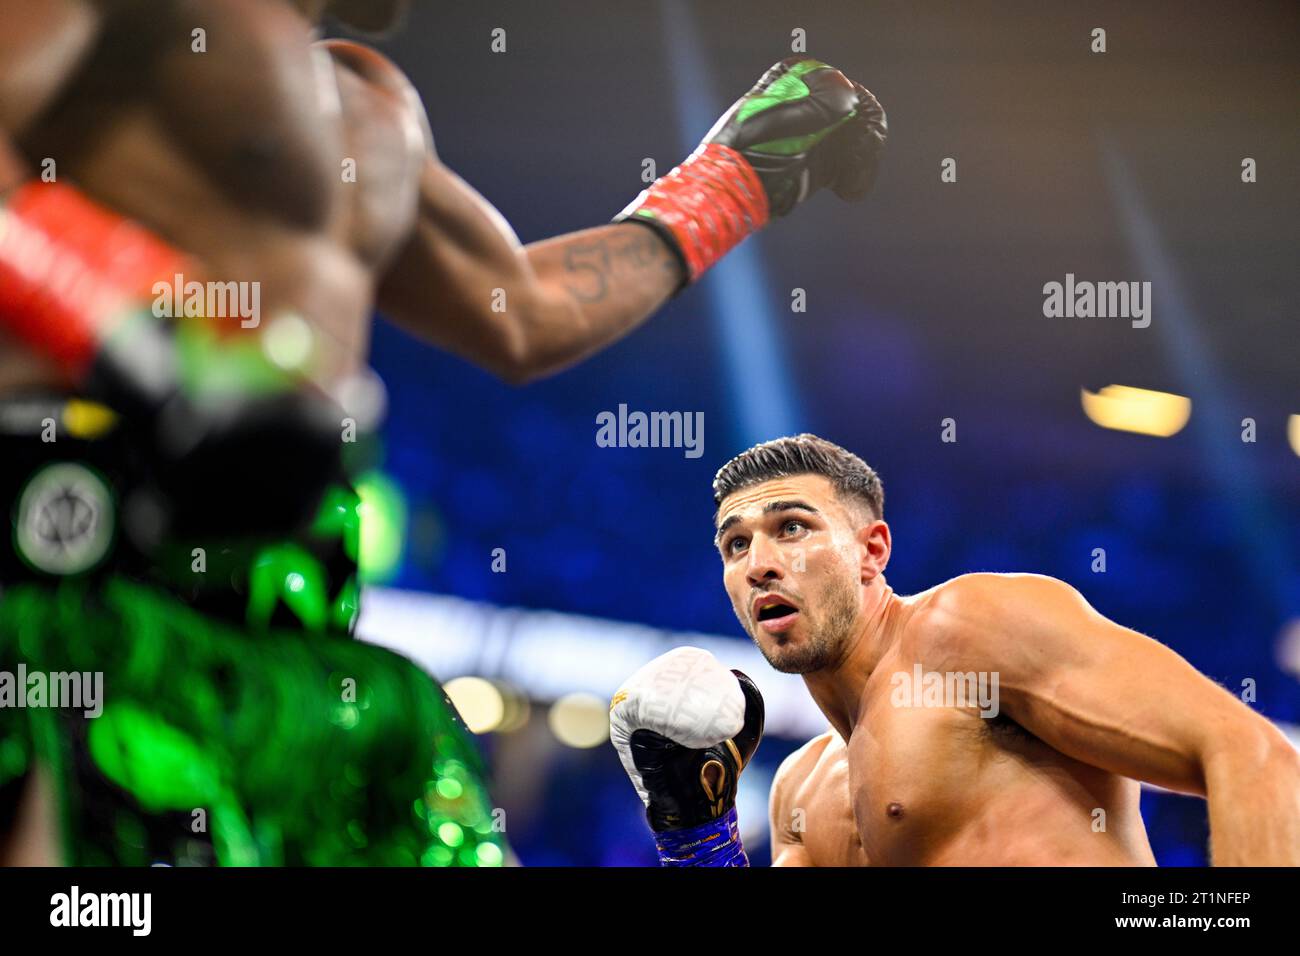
(708,204)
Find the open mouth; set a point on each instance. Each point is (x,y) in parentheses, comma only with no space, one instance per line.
(774,614)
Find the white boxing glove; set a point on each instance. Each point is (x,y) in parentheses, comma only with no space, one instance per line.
(684,727)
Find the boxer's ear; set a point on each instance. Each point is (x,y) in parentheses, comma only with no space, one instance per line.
(875,546)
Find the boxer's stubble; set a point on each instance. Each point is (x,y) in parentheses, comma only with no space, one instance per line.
(827,622)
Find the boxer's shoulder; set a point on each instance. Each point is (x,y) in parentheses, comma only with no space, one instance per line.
(370,65)
(380,73)
(974,607)
(801,764)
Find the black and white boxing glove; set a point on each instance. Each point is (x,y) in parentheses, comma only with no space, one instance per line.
(685,727)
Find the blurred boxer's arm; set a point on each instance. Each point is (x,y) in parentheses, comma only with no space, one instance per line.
(466,284)
(41,44)
(13,170)
(1113,698)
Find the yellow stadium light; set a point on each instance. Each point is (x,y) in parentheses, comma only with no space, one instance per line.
(579,720)
(1138,410)
(1293,432)
(479,702)
(516,709)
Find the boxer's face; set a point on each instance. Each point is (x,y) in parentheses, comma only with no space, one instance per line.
(792,566)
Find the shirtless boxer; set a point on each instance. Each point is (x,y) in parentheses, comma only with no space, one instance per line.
(809,813)
(237,161)
(1044,771)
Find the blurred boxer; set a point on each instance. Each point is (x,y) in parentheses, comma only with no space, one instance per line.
(214,141)
(993,720)
(249,147)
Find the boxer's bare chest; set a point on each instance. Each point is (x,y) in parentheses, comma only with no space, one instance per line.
(924,773)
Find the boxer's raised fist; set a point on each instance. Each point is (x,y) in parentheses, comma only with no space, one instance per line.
(685,727)
(805,126)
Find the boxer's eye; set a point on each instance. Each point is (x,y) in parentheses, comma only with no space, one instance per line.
(732,543)
(792,523)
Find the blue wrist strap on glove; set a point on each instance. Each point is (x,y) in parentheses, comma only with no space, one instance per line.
(716,843)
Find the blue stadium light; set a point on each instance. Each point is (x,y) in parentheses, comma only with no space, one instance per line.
(746,325)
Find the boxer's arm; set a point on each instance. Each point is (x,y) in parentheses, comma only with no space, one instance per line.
(12,172)
(42,42)
(466,284)
(787,839)
(1113,698)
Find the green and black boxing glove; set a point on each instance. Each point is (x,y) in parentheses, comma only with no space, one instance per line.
(804,126)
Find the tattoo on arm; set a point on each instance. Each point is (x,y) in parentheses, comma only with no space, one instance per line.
(592,265)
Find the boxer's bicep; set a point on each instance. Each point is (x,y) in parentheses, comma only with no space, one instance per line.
(787,843)
(790,854)
(787,850)
(1090,688)
(461,280)
(786,821)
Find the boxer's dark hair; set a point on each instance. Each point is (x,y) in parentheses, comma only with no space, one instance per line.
(804,454)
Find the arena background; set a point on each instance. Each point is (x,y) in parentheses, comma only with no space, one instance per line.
(924,303)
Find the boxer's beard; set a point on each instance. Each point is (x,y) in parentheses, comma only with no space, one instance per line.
(824,643)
